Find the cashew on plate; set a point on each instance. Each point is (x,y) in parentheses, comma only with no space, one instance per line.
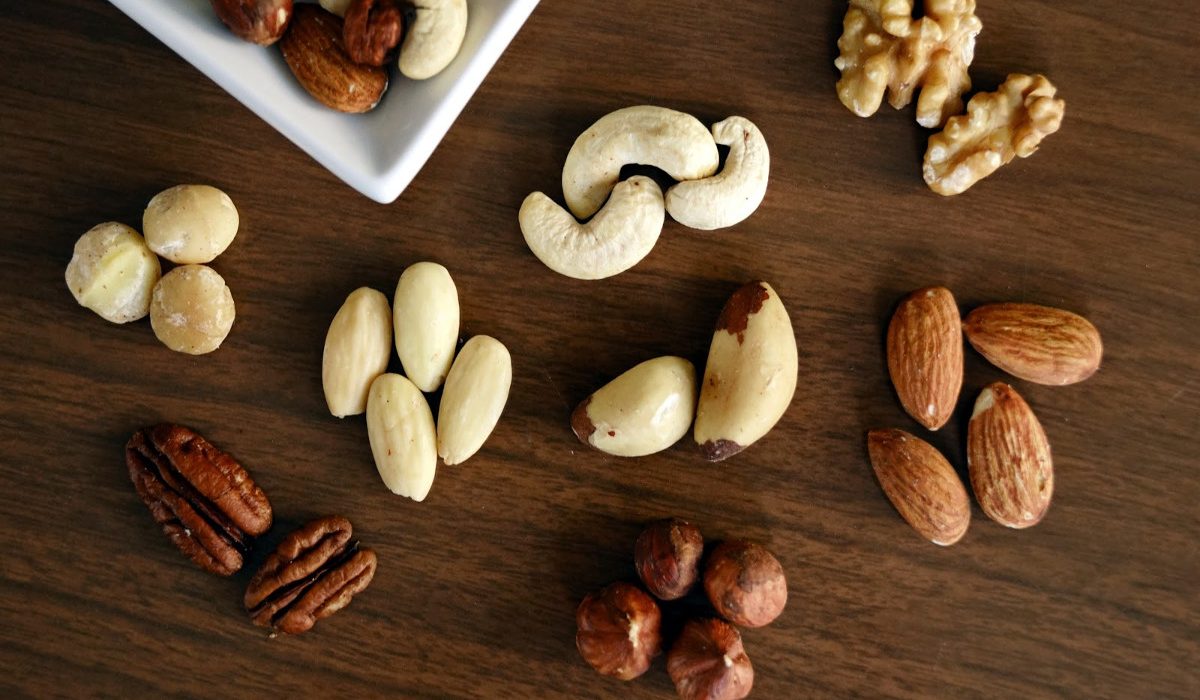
(615,239)
(434,39)
(731,196)
(997,127)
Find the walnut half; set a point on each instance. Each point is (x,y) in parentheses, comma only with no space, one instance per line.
(997,127)
(883,48)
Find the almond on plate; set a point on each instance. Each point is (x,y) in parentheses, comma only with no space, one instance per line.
(314,50)
(1009,458)
(925,355)
(921,484)
(1036,343)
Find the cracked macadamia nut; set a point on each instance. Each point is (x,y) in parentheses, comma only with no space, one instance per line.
(189,224)
(667,557)
(192,310)
(745,583)
(708,662)
(618,631)
(112,272)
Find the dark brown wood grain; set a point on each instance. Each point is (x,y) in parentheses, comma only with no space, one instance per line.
(476,587)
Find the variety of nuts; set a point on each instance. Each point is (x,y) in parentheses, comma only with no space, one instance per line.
(616,238)
(202,498)
(425,310)
(191,309)
(708,662)
(403,437)
(372,30)
(313,573)
(190,223)
(921,484)
(618,631)
(357,348)
(1008,456)
(645,410)
(667,557)
(925,355)
(732,195)
(434,39)
(113,272)
(262,22)
(314,51)
(997,127)
(473,399)
(1036,343)
(745,583)
(750,376)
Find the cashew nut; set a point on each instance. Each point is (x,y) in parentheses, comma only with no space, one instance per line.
(617,237)
(434,38)
(672,141)
(732,195)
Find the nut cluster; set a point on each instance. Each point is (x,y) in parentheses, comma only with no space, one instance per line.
(1008,455)
(620,627)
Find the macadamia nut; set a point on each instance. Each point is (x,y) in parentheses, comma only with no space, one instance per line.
(192,310)
(189,224)
(112,272)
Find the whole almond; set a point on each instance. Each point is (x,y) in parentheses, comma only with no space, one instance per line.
(262,22)
(921,484)
(473,398)
(925,355)
(425,314)
(314,51)
(357,348)
(1036,343)
(1009,458)
(403,437)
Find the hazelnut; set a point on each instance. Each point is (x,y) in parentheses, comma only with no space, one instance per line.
(372,30)
(262,22)
(745,583)
(619,631)
(667,557)
(708,662)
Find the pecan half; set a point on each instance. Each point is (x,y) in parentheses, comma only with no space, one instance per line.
(314,572)
(204,500)
(372,30)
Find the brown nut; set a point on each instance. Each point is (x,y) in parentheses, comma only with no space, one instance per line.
(313,573)
(745,583)
(314,50)
(262,22)
(708,662)
(619,631)
(372,30)
(667,557)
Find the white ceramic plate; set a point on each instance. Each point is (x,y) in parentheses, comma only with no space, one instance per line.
(377,153)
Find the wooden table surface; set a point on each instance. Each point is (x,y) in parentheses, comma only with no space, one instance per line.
(477,586)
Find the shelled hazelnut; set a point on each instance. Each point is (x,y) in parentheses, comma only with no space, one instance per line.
(708,662)
(745,583)
(667,557)
(619,631)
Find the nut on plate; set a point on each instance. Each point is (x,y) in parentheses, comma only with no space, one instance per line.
(645,410)
(372,30)
(750,376)
(619,631)
(883,48)
(192,310)
(434,39)
(708,662)
(403,437)
(473,399)
(190,224)
(921,484)
(1008,457)
(732,195)
(1036,343)
(745,583)
(667,557)
(997,127)
(113,272)
(425,317)
(357,348)
(261,22)
(315,52)
(925,355)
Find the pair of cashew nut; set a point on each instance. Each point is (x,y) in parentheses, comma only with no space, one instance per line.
(625,229)
(433,39)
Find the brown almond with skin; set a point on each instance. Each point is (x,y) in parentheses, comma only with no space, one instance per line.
(925,355)
(921,484)
(1036,343)
(1009,458)
(313,48)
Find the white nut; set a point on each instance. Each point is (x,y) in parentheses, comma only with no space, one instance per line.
(645,410)
(673,141)
(732,195)
(750,377)
(616,238)
(337,7)
(190,223)
(434,38)
(425,312)
(112,272)
(475,394)
(403,438)
(191,309)
(357,348)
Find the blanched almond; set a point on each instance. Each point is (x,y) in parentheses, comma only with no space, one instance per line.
(474,397)
(357,348)
(403,437)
